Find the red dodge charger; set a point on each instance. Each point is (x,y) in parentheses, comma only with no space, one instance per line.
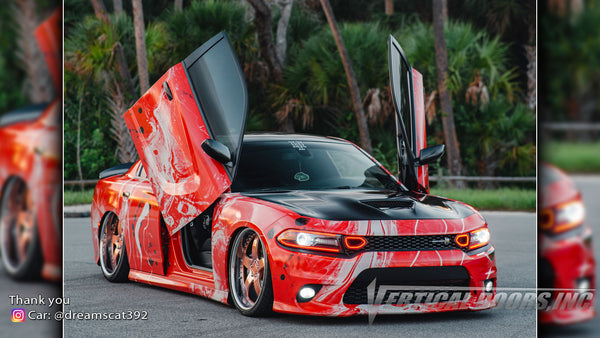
(290,223)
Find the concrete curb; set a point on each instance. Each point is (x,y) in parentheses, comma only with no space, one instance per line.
(74,211)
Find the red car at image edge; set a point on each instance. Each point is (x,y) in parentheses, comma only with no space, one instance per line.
(566,258)
(291,223)
(30,176)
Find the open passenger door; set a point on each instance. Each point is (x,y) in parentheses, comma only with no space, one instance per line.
(406,85)
(188,130)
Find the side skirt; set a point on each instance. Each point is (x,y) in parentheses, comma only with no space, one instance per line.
(200,283)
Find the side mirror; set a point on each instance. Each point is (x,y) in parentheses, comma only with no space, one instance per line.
(217,150)
(431,154)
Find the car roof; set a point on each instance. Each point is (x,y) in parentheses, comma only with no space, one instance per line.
(283,137)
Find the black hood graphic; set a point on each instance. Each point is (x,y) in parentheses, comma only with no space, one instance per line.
(340,205)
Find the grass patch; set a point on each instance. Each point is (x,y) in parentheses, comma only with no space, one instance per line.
(573,157)
(78,197)
(511,199)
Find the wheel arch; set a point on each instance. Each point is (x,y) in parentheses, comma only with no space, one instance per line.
(8,181)
(239,227)
(97,234)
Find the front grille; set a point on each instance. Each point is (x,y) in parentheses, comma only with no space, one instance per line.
(411,243)
(430,280)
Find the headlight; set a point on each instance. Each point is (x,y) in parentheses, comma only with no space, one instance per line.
(474,239)
(479,238)
(321,241)
(563,217)
(568,216)
(310,240)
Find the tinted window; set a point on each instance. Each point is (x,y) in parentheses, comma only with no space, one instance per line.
(298,165)
(401,84)
(220,88)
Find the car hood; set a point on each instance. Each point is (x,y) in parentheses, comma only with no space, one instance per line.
(349,205)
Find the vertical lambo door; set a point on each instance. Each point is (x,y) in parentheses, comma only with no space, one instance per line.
(188,130)
(407,90)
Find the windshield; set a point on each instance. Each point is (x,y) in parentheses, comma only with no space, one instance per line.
(308,165)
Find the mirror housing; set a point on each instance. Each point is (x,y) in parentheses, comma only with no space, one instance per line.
(217,151)
(431,154)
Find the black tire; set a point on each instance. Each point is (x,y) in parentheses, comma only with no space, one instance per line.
(250,285)
(113,254)
(19,240)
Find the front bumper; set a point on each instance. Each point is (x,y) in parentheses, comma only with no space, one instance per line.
(563,264)
(291,271)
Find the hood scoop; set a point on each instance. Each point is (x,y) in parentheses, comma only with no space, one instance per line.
(389,203)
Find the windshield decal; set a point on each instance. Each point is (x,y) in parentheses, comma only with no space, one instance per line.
(298,145)
(301,176)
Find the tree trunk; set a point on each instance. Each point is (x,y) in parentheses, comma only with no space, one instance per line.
(121,92)
(445,10)
(389,7)
(263,22)
(441,60)
(78,150)
(120,60)
(282,25)
(531,54)
(531,75)
(38,83)
(123,69)
(100,10)
(178,5)
(363,127)
(264,27)
(118,6)
(140,45)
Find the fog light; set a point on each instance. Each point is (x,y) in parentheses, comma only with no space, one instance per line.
(307,292)
(583,285)
(489,286)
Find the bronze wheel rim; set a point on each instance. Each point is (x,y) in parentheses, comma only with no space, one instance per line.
(111,244)
(248,269)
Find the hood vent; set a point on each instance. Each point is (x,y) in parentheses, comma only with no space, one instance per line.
(389,203)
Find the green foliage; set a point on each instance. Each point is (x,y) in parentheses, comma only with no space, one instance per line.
(302,25)
(497,138)
(11,74)
(75,197)
(492,199)
(468,49)
(158,49)
(315,68)
(203,19)
(497,135)
(570,74)
(573,157)
(90,72)
(97,149)
(315,76)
